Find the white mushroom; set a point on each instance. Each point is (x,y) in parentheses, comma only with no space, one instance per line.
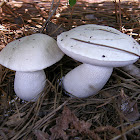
(133,70)
(100,48)
(28,56)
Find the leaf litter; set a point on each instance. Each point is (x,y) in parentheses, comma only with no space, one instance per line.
(111,114)
(68,125)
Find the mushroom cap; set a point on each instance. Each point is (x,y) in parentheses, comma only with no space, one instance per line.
(31,53)
(99,45)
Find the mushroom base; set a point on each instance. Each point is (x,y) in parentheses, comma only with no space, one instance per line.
(28,85)
(86,80)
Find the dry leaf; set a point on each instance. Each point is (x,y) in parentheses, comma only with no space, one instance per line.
(41,135)
(107,129)
(128,107)
(54,30)
(9,133)
(68,125)
(15,119)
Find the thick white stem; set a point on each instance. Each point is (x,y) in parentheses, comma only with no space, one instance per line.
(86,80)
(132,70)
(28,85)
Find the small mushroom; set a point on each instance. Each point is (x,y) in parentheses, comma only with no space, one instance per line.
(28,56)
(99,48)
(132,70)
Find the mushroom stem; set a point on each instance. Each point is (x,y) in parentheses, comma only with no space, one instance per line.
(86,80)
(28,85)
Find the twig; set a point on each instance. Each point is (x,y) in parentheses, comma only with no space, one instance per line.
(128,130)
(116,11)
(120,15)
(107,128)
(39,123)
(51,12)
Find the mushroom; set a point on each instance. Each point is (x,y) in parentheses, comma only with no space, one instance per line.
(132,70)
(28,56)
(99,48)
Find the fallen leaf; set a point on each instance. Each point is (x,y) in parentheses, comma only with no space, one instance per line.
(15,119)
(128,107)
(68,125)
(41,135)
(54,30)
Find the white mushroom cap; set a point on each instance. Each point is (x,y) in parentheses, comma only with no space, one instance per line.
(31,53)
(96,46)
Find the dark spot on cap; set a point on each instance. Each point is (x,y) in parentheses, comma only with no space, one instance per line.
(71,46)
(19,40)
(66,35)
(90,36)
(61,39)
(103,55)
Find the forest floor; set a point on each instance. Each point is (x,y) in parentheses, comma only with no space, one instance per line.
(55,115)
